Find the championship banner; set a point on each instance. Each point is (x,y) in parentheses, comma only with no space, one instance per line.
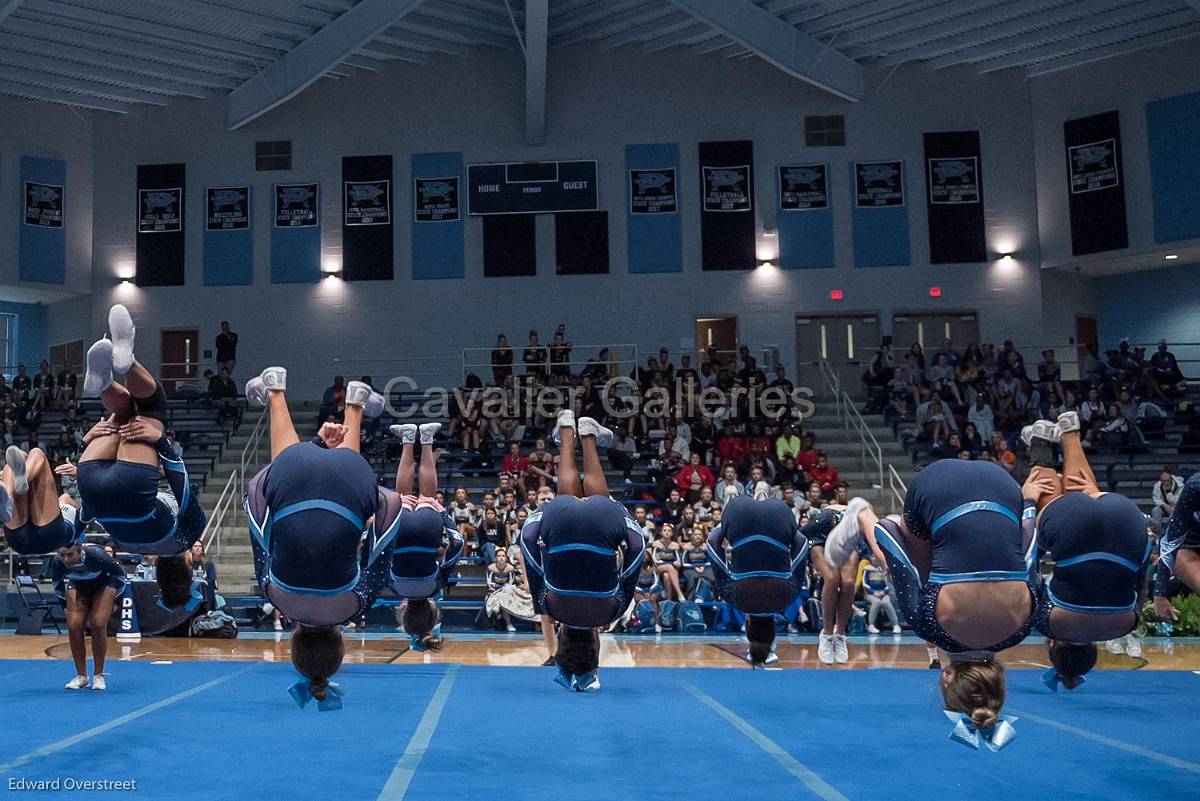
(954,198)
(1095,191)
(803,187)
(367,202)
(228,244)
(1173,138)
(228,209)
(653,191)
(879,216)
(43,243)
(161,210)
(436,199)
(727,224)
(727,188)
(367,218)
(161,192)
(878,183)
(296,205)
(43,205)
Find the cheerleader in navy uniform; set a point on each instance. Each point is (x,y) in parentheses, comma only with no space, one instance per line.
(320,528)
(427,541)
(582,551)
(1100,549)
(37,519)
(124,456)
(960,562)
(89,580)
(1179,549)
(766,565)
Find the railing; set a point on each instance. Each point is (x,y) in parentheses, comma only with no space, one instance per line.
(870,445)
(229,501)
(832,383)
(622,358)
(249,460)
(897,488)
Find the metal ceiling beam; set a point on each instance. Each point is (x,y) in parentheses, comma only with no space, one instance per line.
(431,26)
(720,43)
(911,20)
(260,21)
(126,47)
(1102,54)
(7,7)
(415,41)
(447,12)
(589,16)
(11,48)
(613,25)
(688,36)
(781,45)
(1104,38)
(50,96)
(291,74)
(15,74)
(846,17)
(974,16)
(1101,15)
(661,27)
(537,28)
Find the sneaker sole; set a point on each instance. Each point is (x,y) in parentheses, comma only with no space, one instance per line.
(99,369)
(14,457)
(122,330)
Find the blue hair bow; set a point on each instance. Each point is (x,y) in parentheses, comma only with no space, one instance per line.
(1051,679)
(414,640)
(301,693)
(995,738)
(588,682)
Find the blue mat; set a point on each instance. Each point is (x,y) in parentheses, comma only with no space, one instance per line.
(226,730)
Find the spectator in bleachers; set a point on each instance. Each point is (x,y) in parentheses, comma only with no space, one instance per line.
(875,593)
(501,580)
(728,487)
(560,353)
(66,384)
(1112,432)
(534,357)
(516,466)
(539,471)
(21,385)
(1165,496)
(463,512)
(671,511)
(1011,357)
(935,420)
(989,362)
(43,387)
(706,506)
(695,564)
(787,443)
(649,587)
(333,400)
(1164,369)
(972,440)
(788,473)
(64,449)
(520,516)
(31,441)
(916,359)
(622,451)
(674,442)
(758,487)
(941,376)
(223,392)
(502,361)
(794,502)
(806,459)
(815,497)
(900,392)
(999,452)
(665,554)
(491,534)
(693,478)
(1091,368)
(732,446)
(1050,374)
(227,343)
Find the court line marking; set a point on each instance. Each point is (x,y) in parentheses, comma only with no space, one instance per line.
(789,762)
(402,774)
(1138,750)
(87,734)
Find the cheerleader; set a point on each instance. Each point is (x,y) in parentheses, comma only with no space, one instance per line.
(1100,549)
(582,552)
(963,575)
(766,565)
(89,580)
(1179,549)
(427,540)
(37,519)
(308,511)
(124,456)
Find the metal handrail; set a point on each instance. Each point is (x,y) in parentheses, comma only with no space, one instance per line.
(898,488)
(832,383)
(625,356)
(249,459)
(221,509)
(870,445)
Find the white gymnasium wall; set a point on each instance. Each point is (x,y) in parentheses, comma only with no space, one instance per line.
(598,102)
(1125,84)
(47,131)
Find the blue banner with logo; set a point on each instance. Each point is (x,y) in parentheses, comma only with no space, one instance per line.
(654,238)
(437,216)
(43,241)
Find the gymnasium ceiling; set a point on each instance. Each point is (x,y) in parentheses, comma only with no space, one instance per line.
(112,55)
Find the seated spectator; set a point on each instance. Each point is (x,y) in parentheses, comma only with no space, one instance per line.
(21,385)
(1050,374)
(693,478)
(807,457)
(696,570)
(882,367)
(972,440)
(999,452)
(539,471)
(671,511)
(824,475)
(665,554)
(1012,359)
(501,578)
(788,473)
(43,386)
(935,420)
(674,442)
(900,392)
(66,384)
(622,451)
(516,465)
(728,487)
(875,593)
(464,513)
(1112,432)
(1091,411)
(706,506)
(223,392)
(841,493)
(941,373)
(1165,496)
(1164,370)
(758,487)
(490,534)
(787,444)
(733,446)
(64,449)
(649,587)
(502,361)
(333,400)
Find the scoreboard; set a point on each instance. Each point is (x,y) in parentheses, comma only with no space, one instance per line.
(531,187)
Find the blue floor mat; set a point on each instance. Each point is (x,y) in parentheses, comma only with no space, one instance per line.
(227,730)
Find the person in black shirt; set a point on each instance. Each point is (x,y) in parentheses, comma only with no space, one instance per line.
(89,580)
(1164,369)
(560,355)
(21,385)
(43,386)
(534,356)
(223,392)
(502,359)
(227,348)
(67,382)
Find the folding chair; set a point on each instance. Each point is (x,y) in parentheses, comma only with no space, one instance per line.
(37,607)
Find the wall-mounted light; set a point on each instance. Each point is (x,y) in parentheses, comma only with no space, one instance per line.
(1006,256)
(836,294)
(766,263)
(1171,256)
(331,265)
(126,282)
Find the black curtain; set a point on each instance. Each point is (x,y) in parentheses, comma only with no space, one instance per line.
(509,245)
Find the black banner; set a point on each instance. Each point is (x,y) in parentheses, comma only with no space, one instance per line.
(803,187)
(367,202)
(228,208)
(509,245)
(652,192)
(879,183)
(161,210)
(581,243)
(296,205)
(727,225)
(1094,184)
(43,205)
(435,199)
(954,198)
(367,218)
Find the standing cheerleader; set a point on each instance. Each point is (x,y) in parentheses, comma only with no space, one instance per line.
(89,580)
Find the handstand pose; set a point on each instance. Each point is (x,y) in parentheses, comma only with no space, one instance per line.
(37,519)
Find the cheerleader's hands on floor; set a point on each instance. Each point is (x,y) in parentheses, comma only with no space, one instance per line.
(1164,610)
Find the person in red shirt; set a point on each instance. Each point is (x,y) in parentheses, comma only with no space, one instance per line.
(693,478)
(826,475)
(807,457)
(516,465)
(760,445)
(732,446)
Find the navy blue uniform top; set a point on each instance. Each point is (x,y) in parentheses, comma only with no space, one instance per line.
(96,570)
(1100,550)
(764,539)
(573,544)
(971,513)
(319,500)
(1181,532)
